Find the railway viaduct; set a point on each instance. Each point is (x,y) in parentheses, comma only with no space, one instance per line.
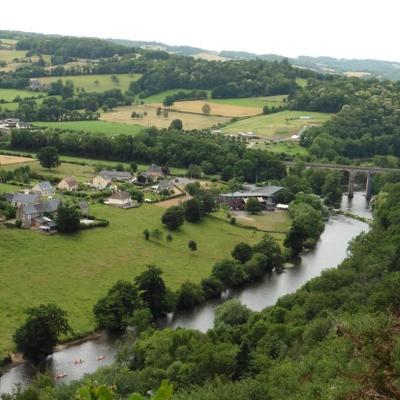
(352,170)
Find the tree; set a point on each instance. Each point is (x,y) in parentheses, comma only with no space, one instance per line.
(232,313)
(194,171)
(266,110)
(133,166)
(114,310)
(176,124)
(48,157)
(68,218)
(190,294)
(206,109)
(242,252)
(229,272)
(271,249)
(253,206)
(192,245)
(158,112)
(227,173)
(173,217)
(212,287)
(153,291)
(40,332)
(332,189)
(146,234)
(169,238)
(193,210)
(295,239)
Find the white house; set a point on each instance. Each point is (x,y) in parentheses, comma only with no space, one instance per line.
(69,183)
(120,199)
(44,189)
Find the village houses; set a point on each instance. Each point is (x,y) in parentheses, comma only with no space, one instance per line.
(69,184)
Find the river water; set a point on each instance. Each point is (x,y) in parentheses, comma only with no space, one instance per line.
(329,252)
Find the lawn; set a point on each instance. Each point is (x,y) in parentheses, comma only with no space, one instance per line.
(74,271)
(11,94)
(108,128)
(279,125)
(190,121)
(88,82)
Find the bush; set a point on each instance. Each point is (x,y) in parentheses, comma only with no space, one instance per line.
(231,313)
(256,266)
(190,295)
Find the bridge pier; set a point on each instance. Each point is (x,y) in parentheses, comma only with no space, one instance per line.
(368,190)
(350,190)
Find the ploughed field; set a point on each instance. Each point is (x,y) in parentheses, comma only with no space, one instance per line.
(75,271)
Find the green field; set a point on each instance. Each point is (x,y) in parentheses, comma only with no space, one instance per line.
(74,271)
(292,149)
(108,128)
(87,82)
(11,94)
(256,102)
(9,55)
(301,82)
(281,124)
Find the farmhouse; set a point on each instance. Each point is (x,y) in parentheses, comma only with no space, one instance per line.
(44,189)
(121,199)
(22,199)
(265,195)
(30,214)
(69,184)
(153,174)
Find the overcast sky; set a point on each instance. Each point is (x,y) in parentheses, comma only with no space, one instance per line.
(348,29)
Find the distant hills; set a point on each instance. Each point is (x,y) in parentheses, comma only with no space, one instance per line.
(349,67)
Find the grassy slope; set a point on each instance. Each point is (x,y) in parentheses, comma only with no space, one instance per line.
(11,94)
(87,81)
(277,125)
(109,128)
(9,55)
(74,271)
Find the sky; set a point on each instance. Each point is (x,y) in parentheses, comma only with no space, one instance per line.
(342,29)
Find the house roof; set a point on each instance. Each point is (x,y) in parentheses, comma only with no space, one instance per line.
(23,198)
(264,191)
(70,180)
(106,174)
(164,185)
(44,186)
(45,206)
(120,196)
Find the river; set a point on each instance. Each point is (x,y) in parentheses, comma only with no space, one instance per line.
(329,252)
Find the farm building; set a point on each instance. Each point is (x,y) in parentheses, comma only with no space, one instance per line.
(163,187)
(22,199)
(30,214)
(44,188)
(69,184)
(265,195)
(105,178)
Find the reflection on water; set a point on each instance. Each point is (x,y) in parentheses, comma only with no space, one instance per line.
(329,252)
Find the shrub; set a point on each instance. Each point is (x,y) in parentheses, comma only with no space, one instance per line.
(173,217)
(212,287)
(189,295)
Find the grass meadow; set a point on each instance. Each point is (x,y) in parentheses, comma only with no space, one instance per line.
(11,94)
(88,82)
(74,271)
(108,128)
(278,125)
(253,102)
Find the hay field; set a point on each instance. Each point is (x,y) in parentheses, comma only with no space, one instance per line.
(225,110)
(190,121)
(95,83)
(8,160)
